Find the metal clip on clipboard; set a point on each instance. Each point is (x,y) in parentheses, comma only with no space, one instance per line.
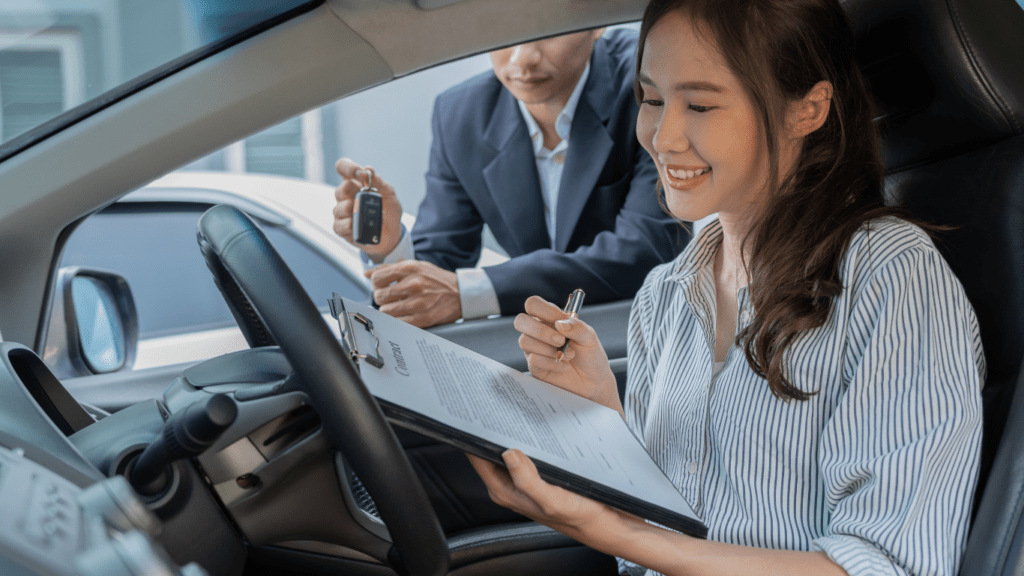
(348,335)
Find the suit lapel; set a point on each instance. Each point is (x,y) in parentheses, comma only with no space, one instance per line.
(589,146)
(512,176)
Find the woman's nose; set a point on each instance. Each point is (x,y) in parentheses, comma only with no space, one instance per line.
(670,136)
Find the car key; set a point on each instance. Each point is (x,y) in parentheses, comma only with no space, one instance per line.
(367,215)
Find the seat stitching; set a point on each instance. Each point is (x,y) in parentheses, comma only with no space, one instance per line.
(502,536)
(461,547)
(979,73)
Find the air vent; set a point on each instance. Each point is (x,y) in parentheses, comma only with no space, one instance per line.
(286,431)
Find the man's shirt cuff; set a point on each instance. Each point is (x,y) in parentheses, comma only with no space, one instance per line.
(403,251)
(476,293)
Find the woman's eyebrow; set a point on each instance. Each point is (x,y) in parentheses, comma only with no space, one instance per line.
(693,85)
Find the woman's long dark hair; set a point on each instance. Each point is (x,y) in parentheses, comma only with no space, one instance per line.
(779,49)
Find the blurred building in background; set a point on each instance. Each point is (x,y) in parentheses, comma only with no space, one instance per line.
(57,54)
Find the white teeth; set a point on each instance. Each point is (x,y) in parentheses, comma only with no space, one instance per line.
(687,174)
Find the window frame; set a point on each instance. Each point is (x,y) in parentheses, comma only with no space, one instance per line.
(68,45)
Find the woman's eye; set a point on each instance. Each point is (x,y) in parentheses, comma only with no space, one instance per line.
(702,109)
(652,102)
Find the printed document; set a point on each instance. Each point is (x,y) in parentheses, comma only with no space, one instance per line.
(484,398)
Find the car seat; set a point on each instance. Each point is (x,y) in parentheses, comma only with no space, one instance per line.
(949,79)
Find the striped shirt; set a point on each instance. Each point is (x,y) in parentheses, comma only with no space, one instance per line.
(877,469)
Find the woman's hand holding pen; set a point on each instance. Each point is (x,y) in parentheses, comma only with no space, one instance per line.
(584,369)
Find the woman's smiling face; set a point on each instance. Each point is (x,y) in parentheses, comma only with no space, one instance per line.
(699,125)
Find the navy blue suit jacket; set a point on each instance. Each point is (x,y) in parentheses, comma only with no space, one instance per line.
(610,229)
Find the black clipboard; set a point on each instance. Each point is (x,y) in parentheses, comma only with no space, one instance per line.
(417,422)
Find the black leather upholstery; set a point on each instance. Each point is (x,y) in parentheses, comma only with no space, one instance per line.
(997,536)
(982,193)
(351,417)
(484,543)
(945,72)
(949,77)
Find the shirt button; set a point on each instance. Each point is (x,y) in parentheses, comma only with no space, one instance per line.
(691,467)
(559,158)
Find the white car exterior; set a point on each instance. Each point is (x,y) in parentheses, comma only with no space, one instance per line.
(304,208)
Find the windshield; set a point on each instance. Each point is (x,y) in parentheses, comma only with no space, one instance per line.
(61,60)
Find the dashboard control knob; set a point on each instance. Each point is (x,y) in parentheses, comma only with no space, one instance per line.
(186,434)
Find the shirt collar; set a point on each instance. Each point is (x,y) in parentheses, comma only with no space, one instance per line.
(700,253)
(563,124)
(699,259)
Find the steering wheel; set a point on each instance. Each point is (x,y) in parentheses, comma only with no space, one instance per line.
(271,306)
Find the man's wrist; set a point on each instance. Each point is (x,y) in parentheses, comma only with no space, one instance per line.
(477,296)
(377,259)
(403,250)
(380,254)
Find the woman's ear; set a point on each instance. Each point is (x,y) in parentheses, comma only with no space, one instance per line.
(810,112)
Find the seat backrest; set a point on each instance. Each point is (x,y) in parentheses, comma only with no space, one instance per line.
(949,78)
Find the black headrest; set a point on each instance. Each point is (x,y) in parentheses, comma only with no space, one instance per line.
(948,74)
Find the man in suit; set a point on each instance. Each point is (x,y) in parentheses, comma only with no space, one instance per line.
(544,151)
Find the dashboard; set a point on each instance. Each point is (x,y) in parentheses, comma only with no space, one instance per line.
(51,526)
(59,514)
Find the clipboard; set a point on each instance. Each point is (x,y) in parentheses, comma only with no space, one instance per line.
(348,335)
(401,413)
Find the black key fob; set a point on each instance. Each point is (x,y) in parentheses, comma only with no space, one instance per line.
(367,214)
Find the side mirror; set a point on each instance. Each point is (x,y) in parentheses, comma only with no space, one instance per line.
(93,325)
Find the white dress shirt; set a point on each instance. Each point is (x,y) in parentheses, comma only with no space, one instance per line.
(476,292)
(878,468)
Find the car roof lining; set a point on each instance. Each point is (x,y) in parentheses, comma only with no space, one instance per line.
(483,25)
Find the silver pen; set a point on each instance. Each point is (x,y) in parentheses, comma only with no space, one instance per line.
(572,308)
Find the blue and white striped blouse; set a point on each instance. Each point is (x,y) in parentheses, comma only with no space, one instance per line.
(879,468)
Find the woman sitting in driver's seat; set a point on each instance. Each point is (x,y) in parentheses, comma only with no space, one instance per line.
(808,372)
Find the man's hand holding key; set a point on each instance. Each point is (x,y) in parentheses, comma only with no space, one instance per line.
(417,292)
(353,179)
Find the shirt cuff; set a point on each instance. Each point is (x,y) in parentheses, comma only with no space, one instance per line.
(856,555)
(403,251)
(476,293)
